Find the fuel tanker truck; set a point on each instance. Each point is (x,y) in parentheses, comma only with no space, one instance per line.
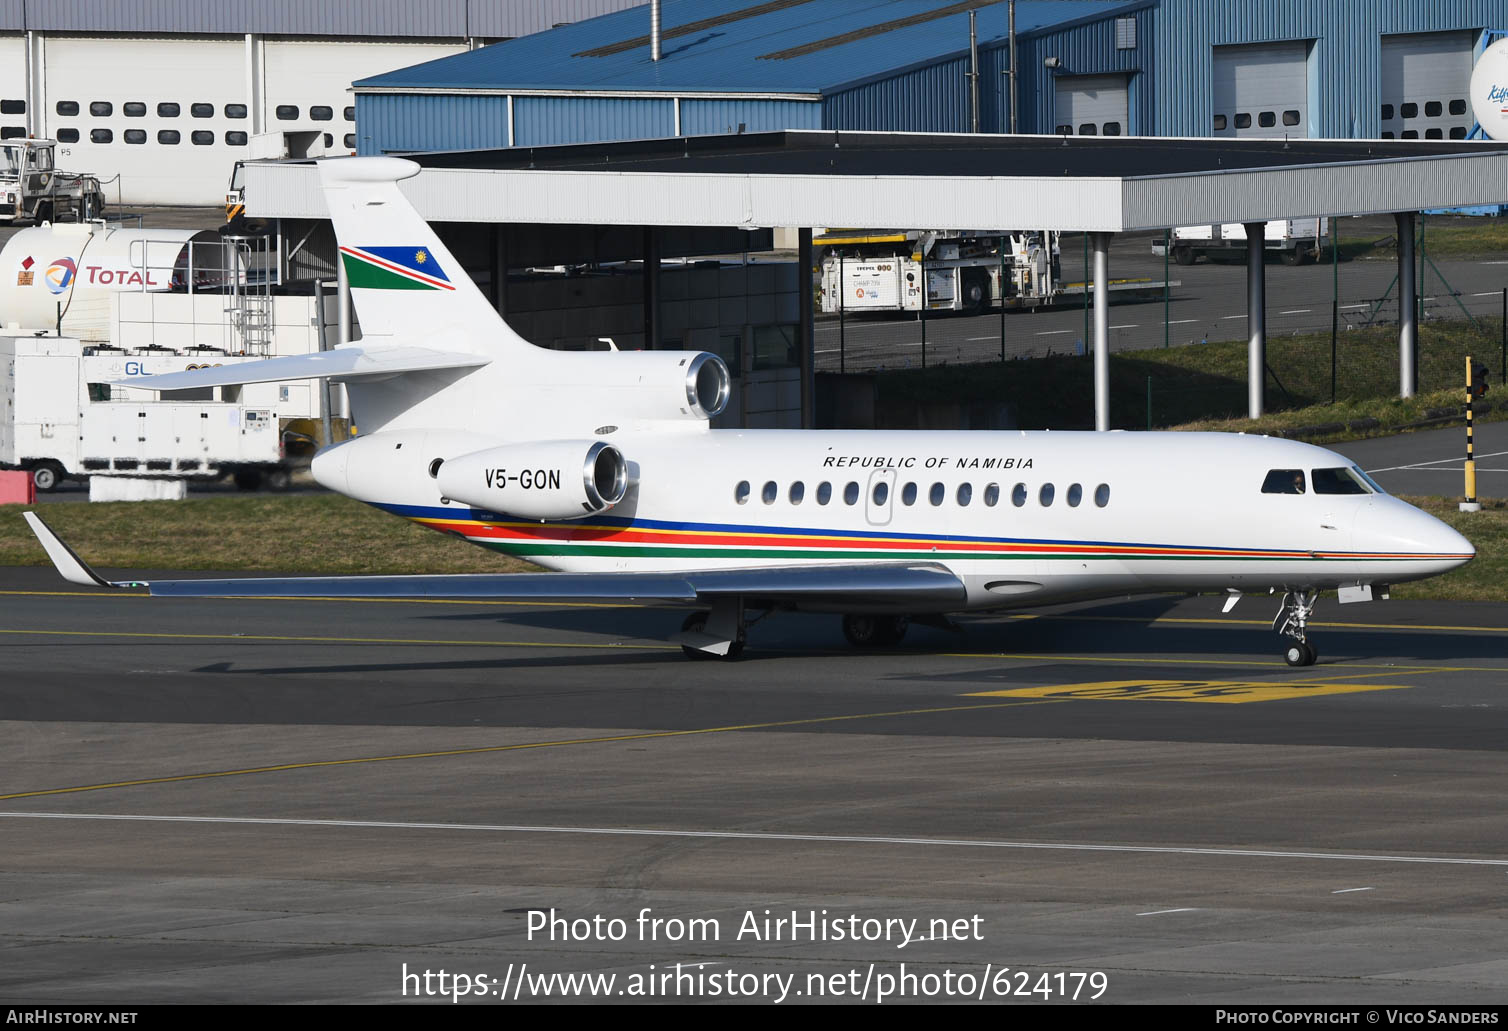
(59,277)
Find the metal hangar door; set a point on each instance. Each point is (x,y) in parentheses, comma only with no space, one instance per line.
(1091,105)
(1262,90)
(1424,85)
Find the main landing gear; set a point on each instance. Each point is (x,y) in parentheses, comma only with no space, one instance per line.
(1291,621)
(870,631)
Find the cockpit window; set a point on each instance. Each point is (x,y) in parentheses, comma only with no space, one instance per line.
(1284,481)
(1376,487)
(1339,481)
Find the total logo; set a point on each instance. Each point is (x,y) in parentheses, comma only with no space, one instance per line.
(59,275)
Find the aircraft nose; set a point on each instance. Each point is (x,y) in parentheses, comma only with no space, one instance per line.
(330,467)
(1394,527)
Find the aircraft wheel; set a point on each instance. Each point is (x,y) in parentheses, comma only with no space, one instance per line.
(863,630)
(1300,654)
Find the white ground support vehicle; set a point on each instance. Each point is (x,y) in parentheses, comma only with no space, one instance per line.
(32,189)
(62,419)
(874,271)
(1298,241)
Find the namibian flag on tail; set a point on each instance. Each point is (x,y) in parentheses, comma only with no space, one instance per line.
(394,268)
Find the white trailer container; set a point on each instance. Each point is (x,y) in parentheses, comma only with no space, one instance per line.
(63,419)
(1298,241)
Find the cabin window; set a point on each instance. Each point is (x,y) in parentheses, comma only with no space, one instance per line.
(13,132)
(965,494)
(1046,494)
(797,492)
(68,135)
(235,110)
(168,137)
(202,110)
(1243,121)
(1267,119)
(1338,481)
(851,493)
(1458,107)
(1284,481)
(287,112)
(68,108)
(936,494)
(992,495)
(741,492)
(136,136)
(1088,129)
(1411,134)
(349,114)
(101,108)
(1410,110)
(769,493)
(1102,495)
(100,135)
(881,492)
(350,142)
(1112,128)
(202,137)
(1433,109)
(1388,136)
(167,109)
(1458,132)
(1219,123)
(824,492)
(321,113)
(1018,495)
(1075,495)
(1387,112)
(1290,118)
(134,109)
(908,494)
(1434,134)
(235,139)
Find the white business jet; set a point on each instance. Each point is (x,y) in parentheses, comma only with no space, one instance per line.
(603,467)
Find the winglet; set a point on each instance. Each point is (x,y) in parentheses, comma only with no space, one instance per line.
(73,569)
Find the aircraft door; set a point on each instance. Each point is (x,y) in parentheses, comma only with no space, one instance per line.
(879,499)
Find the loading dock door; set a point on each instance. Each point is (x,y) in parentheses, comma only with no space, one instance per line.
(1262,90)
(1091,105)
(1424,85)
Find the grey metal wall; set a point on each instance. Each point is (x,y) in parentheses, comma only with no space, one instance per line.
(401,123)
(1347,54)
(1089,49)
(453,19)
(708,117)
(932,98)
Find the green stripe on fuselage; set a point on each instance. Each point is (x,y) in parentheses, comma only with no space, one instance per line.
(362,273)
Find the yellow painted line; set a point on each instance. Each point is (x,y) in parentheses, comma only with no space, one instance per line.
(334,640)
(488,749)
(141,593)
(1220,691)
(1259,622)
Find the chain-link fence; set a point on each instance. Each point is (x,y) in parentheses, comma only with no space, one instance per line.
(1178,331)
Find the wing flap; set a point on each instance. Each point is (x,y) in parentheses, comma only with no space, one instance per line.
(341,363)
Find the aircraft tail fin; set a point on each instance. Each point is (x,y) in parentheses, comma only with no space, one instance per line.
(407,286)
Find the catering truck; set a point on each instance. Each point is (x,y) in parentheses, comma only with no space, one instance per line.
(966,271)
(63,416)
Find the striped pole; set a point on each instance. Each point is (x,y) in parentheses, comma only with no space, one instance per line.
(1470,504)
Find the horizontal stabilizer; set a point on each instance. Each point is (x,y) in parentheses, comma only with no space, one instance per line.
(341,363)
(924,584)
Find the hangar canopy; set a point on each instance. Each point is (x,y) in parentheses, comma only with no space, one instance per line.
(803,178)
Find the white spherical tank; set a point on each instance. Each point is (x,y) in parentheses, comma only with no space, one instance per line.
(73,269)
(1489,90)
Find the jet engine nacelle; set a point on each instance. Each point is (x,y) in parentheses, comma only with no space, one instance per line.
(624,388)
(551,479)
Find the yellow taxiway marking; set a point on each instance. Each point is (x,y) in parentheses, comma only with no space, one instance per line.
(488,749)
(1225,691)
(649,646)
(1221,621)
(1127,660)
(130,592)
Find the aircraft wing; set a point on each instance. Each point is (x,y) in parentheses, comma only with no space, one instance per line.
(926,584)
(341,363)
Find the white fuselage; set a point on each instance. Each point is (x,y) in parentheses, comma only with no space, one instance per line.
(1024,518)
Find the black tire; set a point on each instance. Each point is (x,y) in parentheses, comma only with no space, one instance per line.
(976,294)
(1184,255)
(1299,653)
(44,212)
(863,630)
(247,479)
(48,476)
(1293,257)
(278,479)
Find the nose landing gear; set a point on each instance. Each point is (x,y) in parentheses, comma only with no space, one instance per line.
(1291,621)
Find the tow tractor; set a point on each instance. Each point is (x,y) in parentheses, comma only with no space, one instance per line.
(32,189)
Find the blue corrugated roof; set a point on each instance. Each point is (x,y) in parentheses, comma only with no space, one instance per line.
(731,57)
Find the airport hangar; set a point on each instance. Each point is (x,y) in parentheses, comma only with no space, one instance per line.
(695,190)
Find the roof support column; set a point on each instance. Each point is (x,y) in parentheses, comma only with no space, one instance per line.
(1101,244)
(807,317)
(1408,306)
(1256,316)
(499,269)
(651,289)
